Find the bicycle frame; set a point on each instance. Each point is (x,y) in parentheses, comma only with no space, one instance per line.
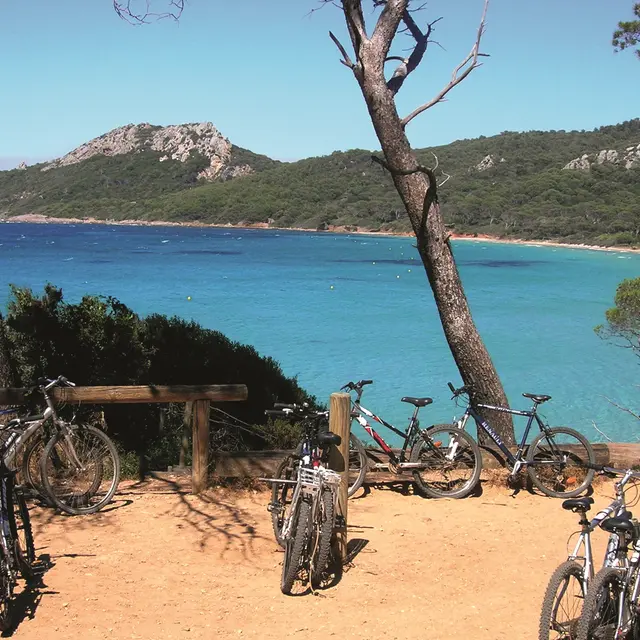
(408,436)
(27,428)
(616,508)
(515,461)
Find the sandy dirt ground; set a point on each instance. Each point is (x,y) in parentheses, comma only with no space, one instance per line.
(160,563)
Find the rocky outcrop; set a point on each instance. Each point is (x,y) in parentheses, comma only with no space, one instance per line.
(628,158)
(175,142)
(487,162)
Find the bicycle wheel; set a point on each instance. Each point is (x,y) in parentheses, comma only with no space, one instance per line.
(599,617)
(296,546)
(452,462)
(324,531)
(85,487)
(555,462)
(31,466)
(562,603)
(357,464)
(281,495)
(6,591)
(23,535)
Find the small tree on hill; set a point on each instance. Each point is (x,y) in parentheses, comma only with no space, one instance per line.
(628,32)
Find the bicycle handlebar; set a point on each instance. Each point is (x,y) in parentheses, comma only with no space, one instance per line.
(294,412)
(46,383)
(611,472)
(356,386)
(457,392)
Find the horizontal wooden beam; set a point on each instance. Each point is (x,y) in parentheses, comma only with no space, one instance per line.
(131,394)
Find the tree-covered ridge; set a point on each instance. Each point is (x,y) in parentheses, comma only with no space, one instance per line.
(524,192)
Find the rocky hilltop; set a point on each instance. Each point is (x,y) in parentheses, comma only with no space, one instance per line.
(628,158)
(175,142)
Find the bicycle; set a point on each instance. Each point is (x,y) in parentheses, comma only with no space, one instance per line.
(562,602)
(304,524)
(611,605)
(558,463)
(77,467)
(445,461)
(17,550)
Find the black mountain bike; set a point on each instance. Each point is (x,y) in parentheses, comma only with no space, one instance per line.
(559,460)
(445,461)
(17,551)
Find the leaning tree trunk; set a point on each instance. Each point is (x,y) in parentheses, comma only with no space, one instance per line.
(419,196)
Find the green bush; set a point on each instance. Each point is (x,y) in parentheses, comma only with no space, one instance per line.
(100,341)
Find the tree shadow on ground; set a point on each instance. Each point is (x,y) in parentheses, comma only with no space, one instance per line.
(215,517)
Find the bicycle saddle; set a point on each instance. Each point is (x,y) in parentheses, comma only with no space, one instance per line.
(616,525)
(577,504)
(536,398)
(327,437)
(417,402)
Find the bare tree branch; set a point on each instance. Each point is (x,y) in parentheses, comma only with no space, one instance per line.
(409,64)
(602,433)
(346,60)
(459,73)
(445,180)
(355,24)
(387,25)
(625,409)
(138,12)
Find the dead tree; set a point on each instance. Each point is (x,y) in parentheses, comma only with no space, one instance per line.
(417,185)
(141,11)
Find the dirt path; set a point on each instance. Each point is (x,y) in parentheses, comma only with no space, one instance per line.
(161,564)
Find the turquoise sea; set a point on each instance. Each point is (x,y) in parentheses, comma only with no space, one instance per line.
(333,308)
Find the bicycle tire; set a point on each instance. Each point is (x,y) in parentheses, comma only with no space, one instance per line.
(281,495)
(357,464)
(75,503)
(559,585)
(533,469)
(600,607)
(6,591)
(31,467)
(23,535)
(468,455)
(324,531)
(295,546)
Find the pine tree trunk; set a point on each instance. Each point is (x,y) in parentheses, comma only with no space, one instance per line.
(468,350)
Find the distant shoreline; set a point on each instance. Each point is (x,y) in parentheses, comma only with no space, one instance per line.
(35,218)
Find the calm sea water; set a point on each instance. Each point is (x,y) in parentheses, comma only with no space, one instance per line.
(333,308)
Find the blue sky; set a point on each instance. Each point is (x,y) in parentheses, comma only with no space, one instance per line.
(267,75)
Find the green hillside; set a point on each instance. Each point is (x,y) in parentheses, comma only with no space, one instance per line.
(525,194)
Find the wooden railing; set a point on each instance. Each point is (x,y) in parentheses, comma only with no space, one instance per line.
(199,395)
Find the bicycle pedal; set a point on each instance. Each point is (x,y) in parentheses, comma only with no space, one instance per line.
(274,507)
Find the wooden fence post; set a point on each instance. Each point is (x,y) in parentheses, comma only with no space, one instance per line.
(200,456)
(186,431)
(340,423)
